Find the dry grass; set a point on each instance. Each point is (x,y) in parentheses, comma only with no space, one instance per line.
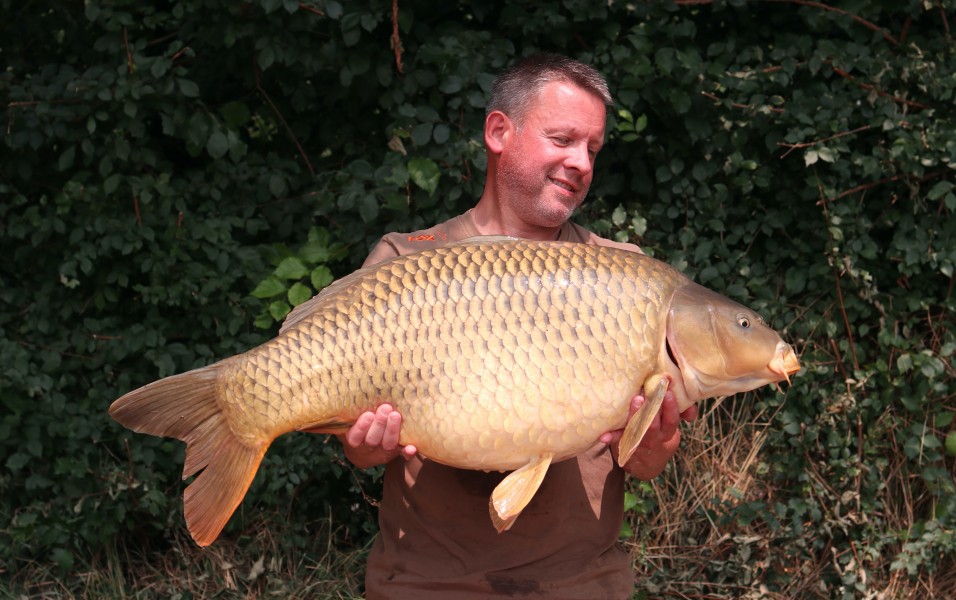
(681,551)
(247,567)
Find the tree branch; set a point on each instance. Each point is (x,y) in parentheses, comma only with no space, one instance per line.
(871,87)
(792,147)
(130,66)
(717,100)
(820,5)
(873,184)
(868,24)
(396,40)
(311,9)
(288,130)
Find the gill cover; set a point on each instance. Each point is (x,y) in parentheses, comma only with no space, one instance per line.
(723,347)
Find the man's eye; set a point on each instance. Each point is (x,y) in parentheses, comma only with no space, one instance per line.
(561,141)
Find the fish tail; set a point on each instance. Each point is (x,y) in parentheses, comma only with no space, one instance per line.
(187,407)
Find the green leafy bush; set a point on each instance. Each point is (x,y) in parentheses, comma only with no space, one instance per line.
(176,177)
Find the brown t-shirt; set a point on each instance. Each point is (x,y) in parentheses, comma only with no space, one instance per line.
(436,539)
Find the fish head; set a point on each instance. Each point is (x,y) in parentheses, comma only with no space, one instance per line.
(721,347)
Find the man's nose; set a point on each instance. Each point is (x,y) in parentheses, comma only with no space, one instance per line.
(579,158)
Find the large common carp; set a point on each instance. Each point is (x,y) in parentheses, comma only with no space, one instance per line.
(499,354)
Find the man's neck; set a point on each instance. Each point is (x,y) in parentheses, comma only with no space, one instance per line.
(491,219)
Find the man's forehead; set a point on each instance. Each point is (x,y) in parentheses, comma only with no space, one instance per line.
(568,106)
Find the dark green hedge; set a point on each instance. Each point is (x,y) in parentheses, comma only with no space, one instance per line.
(163,161)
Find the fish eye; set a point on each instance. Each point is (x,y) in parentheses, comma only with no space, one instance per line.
(743,322)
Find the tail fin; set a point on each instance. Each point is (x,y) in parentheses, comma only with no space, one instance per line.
(186,407)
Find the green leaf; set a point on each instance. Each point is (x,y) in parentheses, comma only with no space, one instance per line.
(291,267)
(17,461)
(67,158)
(63,558)
(904,363)
(313,253)
(160,67)
(235,113)
(939,190)
(826,154)
(298,294)
(264,321)
(368,208)
(269,287)
(441,133)
(334,10)
(321,276)
(451,85)
(111,183)
(217,145)
(277,185)
(279,309)
(619,216)
(422,133)
(266,57)
(630,501)
(424,172)
(188,88)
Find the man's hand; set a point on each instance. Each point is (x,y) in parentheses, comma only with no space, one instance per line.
(373,439)
(661,441)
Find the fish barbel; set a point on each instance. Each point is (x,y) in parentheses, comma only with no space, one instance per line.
(499,354)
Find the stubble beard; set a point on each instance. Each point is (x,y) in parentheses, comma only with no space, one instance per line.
(539,205)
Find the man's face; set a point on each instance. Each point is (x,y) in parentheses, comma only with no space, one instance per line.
(545,168)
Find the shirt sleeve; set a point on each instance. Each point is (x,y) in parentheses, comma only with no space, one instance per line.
(383,250)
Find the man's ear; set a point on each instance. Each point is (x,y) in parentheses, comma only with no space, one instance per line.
(498,129)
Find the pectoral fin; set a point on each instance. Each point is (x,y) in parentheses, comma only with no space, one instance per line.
(515,492)
(333,425)
(654,389)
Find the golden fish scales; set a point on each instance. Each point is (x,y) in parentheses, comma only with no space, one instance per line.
(491,354)
(500,355)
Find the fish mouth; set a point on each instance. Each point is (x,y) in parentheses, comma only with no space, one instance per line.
(784,362)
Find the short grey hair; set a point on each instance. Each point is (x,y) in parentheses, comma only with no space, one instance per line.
(516,87)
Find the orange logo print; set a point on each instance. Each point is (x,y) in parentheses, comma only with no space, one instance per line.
(421,238)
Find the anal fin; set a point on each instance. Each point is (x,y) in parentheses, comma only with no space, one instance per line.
(515,491)
(654,389)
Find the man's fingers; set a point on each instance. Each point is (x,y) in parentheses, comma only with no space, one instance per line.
(355,436)
(637,402)
(690,414)
(610,437)
(670,416)
(376,431)
(393,426)
(369,428)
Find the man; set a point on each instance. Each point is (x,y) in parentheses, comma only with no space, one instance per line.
(544,125)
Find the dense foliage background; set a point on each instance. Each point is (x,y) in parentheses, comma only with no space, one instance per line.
(176,175)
